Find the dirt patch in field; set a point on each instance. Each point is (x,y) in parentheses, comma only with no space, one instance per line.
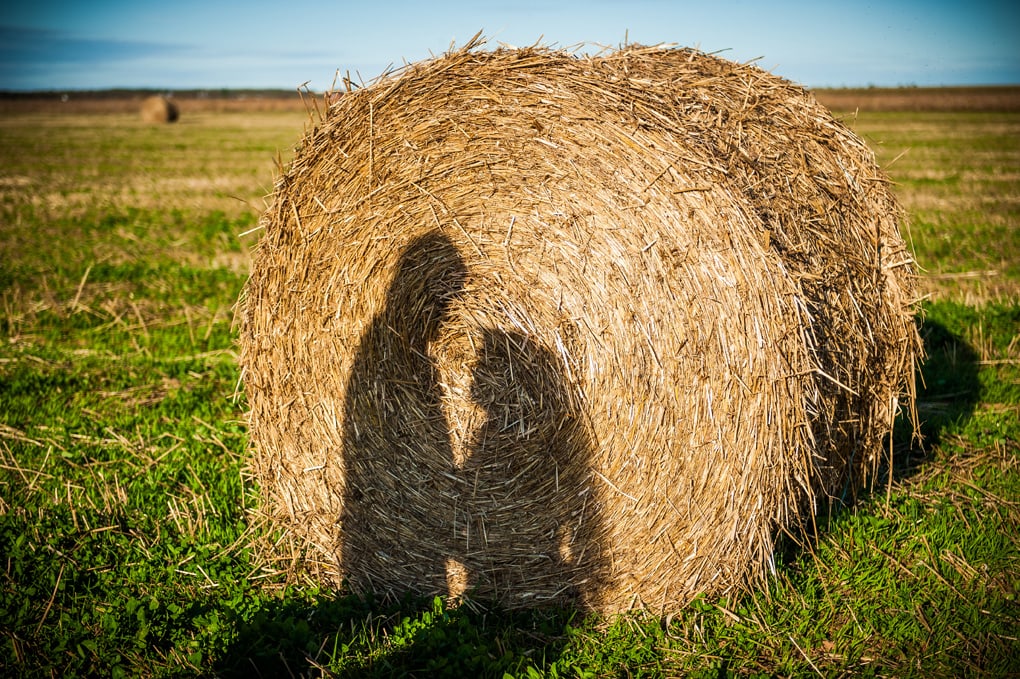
(1005,98)
(128,102)
(987,98)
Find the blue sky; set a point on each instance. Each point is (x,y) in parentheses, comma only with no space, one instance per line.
(178,44)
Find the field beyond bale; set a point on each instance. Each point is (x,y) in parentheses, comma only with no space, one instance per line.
(127,517)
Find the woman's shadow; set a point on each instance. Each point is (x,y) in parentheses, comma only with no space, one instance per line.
(515,523)
(528,524)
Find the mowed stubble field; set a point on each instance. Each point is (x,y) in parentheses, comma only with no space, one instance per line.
(127,519)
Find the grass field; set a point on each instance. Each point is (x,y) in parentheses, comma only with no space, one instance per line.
(126,516)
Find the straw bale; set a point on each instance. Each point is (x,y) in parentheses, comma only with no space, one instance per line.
(158,109)
(538,327)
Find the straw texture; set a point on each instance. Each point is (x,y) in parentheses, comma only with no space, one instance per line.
(541,327)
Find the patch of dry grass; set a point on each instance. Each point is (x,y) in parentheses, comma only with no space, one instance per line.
(67,165)
(958,176)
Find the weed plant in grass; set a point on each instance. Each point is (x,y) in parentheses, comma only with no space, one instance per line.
(126,516)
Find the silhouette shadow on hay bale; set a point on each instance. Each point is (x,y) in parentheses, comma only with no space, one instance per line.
(699,268)
(509,519)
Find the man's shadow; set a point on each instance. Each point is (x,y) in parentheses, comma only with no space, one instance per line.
(515,523)
(399,486)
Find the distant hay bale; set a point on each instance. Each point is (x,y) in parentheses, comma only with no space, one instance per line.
(542,327)
(158,109)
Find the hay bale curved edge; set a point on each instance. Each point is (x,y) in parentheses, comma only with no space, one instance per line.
(540,327)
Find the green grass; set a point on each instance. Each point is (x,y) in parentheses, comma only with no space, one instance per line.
(126,516)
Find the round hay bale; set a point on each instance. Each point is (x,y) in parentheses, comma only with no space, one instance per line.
(159,110)
(545,327)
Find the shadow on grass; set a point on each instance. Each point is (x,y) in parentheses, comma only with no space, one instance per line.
(948,390)
(344,636)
